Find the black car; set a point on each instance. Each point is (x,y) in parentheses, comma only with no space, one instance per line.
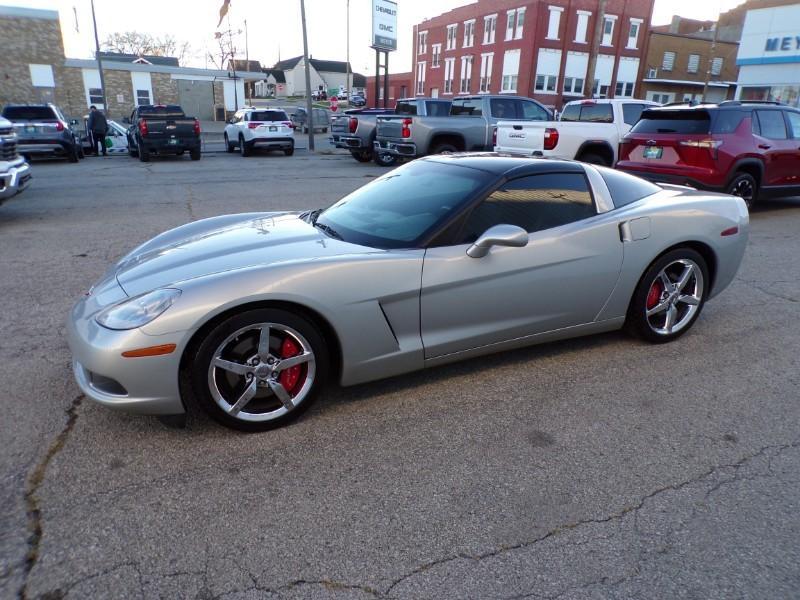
(357,100)
(162,129)
(42,130)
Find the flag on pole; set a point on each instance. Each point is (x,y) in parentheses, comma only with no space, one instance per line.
(223,11)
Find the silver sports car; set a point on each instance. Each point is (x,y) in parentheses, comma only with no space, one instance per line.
(442,259)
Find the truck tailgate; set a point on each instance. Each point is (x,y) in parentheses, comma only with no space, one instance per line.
(340,125)
(390,127)
(158,128)
(520,137)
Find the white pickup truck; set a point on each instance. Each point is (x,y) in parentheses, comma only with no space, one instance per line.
(587,130)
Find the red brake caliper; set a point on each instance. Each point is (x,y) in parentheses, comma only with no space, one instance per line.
(654,295)
(290,378)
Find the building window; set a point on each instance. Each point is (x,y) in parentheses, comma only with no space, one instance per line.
(608,30)
(42,76)
(489,26)
(554,22)
(599,91)
(422,42)
(520,23)
(669,61)
(466,74)
(436,55)
(95,96)
(546,84)
(510,71)
(633,33)
(514,20)
(693,64)
(486,71)
(573,86)
(716,66)
(582,26)
(624,89)
(142,97)
(469,33)
(421,77)
(661,98)
(449,68)
(452,31)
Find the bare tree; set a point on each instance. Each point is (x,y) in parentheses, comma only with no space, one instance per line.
(132,42)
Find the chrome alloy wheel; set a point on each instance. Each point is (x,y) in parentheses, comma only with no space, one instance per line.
(674,297)
(745,190)
(261,372)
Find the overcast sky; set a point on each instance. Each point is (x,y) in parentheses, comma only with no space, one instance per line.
(275,24)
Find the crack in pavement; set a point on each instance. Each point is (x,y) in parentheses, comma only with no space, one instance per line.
(35,480)
(768,292)
(189,202)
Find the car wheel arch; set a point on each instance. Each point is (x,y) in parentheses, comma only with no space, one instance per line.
(599,148)
(455,139)
(751,166)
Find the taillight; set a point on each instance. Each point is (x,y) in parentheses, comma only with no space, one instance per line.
(59,126)
(252,125)
(352,125)
(494,137)
(710,145)
(288,124)
(550,138)
(142,127)
(406,131)
(197,127)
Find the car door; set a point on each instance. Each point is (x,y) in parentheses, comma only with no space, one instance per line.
(793,143)
(562,278)
(773,140)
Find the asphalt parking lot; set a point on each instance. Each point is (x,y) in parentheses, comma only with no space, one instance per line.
(595,468)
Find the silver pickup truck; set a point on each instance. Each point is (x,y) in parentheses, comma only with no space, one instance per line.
(355,129)
(15,174)
(469,126)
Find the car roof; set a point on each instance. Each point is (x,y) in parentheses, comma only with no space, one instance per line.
(499,163)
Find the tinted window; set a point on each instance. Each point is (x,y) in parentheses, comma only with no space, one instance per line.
(571,112)
(28,113)
(534,203)
(673,121)
(268,115)
(534,112)
(399,208)
(503,108)
(170,110)
(772,124)
(625,188)
(794,123)
(406,108)
(589,112)
(631,113)
(467,107)
(728,121)
(437,109)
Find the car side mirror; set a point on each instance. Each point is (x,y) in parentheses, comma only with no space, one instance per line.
(499,235)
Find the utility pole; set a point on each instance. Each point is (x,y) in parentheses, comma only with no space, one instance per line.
(349,86)
(247,63)
(711,58)
(598,36)
(233,65)
(99,63)
(309,105)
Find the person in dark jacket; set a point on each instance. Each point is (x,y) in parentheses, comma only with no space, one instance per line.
(98,128)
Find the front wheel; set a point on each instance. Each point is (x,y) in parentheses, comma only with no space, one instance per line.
(384,160)
(669,296)
(745,186)
(260,369)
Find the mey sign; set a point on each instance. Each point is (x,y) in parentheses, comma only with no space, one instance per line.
(784,43)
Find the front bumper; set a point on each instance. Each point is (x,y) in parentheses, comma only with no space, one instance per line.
(14,180)
(147,386)
(404,149)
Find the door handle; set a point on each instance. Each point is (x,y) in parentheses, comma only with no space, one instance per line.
(764,146)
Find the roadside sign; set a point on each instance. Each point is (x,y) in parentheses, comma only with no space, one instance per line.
(384,25)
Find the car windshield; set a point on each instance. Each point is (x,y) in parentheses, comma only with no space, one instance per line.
(29,113)
(268,115)
(398,209)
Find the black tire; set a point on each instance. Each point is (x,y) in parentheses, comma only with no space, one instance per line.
(244,147)
(144,154)
(81,153)
(644,297)
(200,367)
(194,154)
(384,160)
(324,130)
(305,129)
(745,186)
(228,146)
(289,151)
(361,155)
(133,152)
(72,154)
(445,147)
(594,159)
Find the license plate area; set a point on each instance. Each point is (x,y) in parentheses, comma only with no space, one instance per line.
(653,151)
(173,142)
(273,128)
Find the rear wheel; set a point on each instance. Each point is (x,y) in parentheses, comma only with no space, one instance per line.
(244,147)
(669,297)
(384,160)
(745,186)
(594,159)
(260,369)
(194,153)
(144,154)
(72,154)
(289,151)
(361,155)
(444,147)
(228,146)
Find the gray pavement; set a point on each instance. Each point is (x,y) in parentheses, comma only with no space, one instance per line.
(595,468)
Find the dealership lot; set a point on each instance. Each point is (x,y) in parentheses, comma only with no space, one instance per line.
(595,468)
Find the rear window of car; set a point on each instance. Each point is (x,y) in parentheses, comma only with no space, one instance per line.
(168,110)
(589,113)
(268,115)
(406,108)
(673,121)
(29,113)
(728,121)
(626,189)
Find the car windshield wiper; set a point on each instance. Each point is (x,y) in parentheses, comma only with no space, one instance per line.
(327,229)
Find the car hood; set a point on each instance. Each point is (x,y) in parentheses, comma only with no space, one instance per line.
(224,244)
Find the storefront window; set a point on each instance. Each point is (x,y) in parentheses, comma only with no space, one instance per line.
(788,94)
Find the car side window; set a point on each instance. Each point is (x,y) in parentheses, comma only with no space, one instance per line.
(631,113)
(503,108)
(535,203)
(794,123)
(533,112)
(773,126)
(470,106)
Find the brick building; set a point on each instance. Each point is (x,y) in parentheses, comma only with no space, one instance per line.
(533,48)
(401,85)
(678,65)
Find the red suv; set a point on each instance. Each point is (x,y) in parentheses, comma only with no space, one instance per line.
(748,149)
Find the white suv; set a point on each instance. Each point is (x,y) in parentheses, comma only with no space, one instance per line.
(267,128)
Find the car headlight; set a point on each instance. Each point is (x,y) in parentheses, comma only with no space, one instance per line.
(138,311)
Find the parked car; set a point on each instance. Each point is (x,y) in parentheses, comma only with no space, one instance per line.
(469,126)
(15,174)
(42,130)
(748,149)
(357,100)
(321,119)
(355,130)
(442,259)
(319,95)
(259,128)
(162,129)
(587,130)
(116,138)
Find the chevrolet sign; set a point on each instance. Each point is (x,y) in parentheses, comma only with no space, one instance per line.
(384,25)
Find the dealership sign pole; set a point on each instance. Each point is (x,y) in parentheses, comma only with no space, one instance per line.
(384,40)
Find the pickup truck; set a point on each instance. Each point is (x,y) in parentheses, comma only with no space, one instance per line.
(470,125)
(15,174)
(355,130)
(588,130)
(162,129)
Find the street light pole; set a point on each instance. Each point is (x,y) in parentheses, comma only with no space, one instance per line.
(309,105)
(349,86)
(99,63)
